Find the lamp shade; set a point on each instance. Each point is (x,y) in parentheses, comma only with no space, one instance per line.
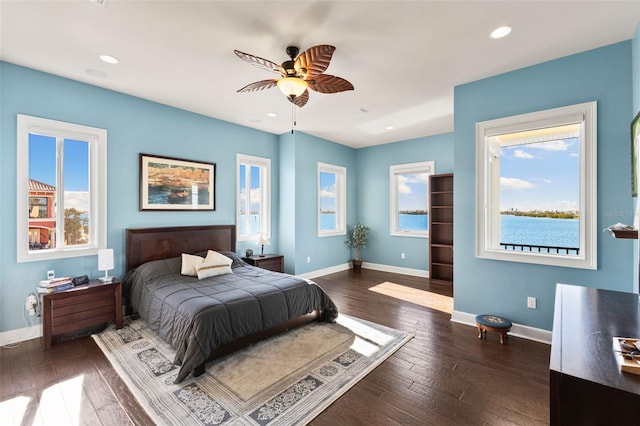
(105,259)
(263,240)
(292,86)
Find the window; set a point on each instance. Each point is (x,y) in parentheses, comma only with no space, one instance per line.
(536,186)
(253,214)
(409,199)
(62,189)
(332,204)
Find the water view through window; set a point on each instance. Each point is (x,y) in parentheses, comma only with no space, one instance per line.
(539,190)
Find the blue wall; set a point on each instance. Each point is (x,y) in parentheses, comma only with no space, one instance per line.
(323,251)
(134,126)
(373,197)
(603,75)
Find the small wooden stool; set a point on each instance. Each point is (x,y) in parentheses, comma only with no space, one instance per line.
(495,324)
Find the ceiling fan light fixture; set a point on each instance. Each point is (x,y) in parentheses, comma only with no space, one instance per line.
(292,86)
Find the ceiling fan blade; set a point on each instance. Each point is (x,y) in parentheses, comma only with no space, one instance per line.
(259,85)
(301,100)
(325,83)
(259,62)
(314,60)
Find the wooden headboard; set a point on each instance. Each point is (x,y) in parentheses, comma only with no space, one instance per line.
(146,244)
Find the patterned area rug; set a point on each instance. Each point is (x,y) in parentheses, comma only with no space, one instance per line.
(285,380)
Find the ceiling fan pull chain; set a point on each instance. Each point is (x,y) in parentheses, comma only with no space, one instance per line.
(293,117)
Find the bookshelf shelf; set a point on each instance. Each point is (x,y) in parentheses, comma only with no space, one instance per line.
(441,228)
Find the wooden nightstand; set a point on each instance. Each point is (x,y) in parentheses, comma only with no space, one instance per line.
(81,307)
(272,262)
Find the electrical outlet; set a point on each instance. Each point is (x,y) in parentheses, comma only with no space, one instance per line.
(401,255)
(531,302)
(51,274)
(308,259)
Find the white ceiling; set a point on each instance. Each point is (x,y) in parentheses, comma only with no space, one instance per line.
(403,57)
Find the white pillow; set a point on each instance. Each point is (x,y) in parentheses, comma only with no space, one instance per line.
(189,261)
(211,269)
(217,258)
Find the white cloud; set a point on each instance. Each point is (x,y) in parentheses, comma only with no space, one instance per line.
(328,191)
(515,183)
(76,200)
(403,188)
(559,145)
(518,153)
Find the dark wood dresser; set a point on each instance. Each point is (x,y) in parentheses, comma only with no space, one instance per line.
(586,384)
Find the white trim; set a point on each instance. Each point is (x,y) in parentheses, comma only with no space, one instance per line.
(325,271)
(396,269)
(265,195)
(365,265)
(20,334)
(487,223)
(517,330)
(97,139)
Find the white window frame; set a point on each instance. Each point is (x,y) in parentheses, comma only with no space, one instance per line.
(265,196)
(427,167)
(341,199)
(97,139)
(488,186)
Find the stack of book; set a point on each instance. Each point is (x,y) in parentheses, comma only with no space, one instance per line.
(55,285)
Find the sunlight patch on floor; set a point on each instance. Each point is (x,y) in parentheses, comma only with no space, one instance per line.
(419,297)
(61,402)
(13,410)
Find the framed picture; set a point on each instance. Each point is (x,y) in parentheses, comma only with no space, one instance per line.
(635,142)
(174,184)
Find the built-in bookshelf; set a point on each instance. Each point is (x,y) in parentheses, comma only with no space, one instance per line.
(441,228)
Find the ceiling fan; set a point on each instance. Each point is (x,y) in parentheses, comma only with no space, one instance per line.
(298,74)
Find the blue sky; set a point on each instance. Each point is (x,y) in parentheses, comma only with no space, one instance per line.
(540,176)
(42,167)
(254,188)
(327,191)
(412,191)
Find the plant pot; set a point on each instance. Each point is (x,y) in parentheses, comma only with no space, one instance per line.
(357,264)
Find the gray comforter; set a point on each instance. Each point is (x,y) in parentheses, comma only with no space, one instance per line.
(198,316)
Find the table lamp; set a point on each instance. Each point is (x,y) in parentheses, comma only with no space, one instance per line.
(263,240)
(105,263)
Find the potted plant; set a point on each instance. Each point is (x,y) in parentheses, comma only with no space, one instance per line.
(357,240)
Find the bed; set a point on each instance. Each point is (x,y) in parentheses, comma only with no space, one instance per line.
(203,319)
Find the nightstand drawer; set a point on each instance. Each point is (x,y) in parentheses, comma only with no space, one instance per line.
(272,262)
(81,307)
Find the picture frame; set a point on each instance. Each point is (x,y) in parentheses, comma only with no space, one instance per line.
(175,184)
(635,145)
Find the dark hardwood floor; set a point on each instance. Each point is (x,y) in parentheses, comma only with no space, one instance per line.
(445,375)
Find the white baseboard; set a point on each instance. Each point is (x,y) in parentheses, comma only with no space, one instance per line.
(366,265)
(20,334)
(325,271)
(518,330)
(396,269)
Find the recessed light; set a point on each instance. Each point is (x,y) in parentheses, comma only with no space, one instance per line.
(272,114)
(389,128)
(109,59)
(501,32)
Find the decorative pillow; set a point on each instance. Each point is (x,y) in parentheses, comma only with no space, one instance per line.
(211,269)
(217,258)
(189,261)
